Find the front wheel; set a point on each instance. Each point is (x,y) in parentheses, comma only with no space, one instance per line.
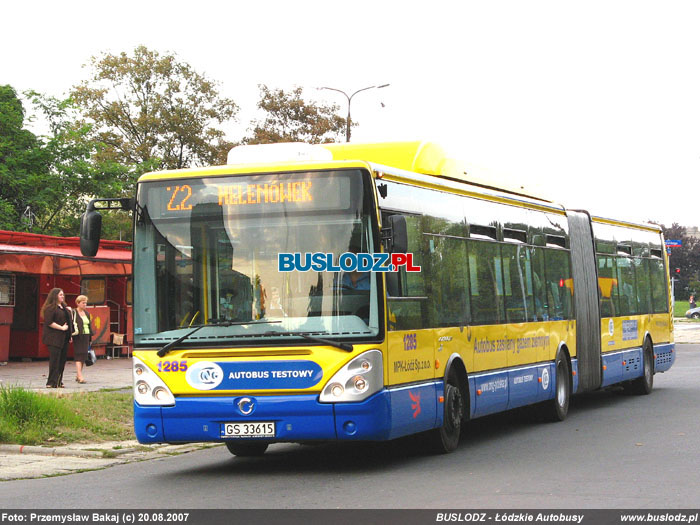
(446,438)
(557,409)
(695,315)
(246,450)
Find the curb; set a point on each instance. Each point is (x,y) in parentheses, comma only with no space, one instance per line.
(60,451)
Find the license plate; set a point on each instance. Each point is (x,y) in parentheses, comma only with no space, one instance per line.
(252,429)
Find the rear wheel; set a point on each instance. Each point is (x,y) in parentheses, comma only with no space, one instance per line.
(446,438)
(557,409)
(246,449)
(643,385)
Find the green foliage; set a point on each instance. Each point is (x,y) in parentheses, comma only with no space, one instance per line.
(45,181)
(73,175)
(23,162)
(152,112)
(30,418)
(292,119)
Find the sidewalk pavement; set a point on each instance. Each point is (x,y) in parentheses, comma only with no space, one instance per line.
(19,462)
(686,331)
(31,375)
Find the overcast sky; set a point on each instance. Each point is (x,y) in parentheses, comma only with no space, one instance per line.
(595,103)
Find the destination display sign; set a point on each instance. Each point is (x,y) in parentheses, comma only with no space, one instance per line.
(256,193)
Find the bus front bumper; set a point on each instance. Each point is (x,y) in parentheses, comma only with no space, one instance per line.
(296,418)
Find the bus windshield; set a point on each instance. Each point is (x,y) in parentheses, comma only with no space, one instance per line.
(206,253)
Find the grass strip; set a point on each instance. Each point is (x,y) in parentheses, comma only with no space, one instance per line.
(31,418)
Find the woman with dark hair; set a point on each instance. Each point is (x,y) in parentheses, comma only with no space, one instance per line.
(56,335)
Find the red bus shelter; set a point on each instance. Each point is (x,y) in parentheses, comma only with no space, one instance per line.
(32,264)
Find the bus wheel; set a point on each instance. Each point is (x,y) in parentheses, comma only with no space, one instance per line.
(556,409)
(643,385)
(446,438)
(245,450)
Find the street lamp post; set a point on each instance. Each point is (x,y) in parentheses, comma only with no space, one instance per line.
(349,97)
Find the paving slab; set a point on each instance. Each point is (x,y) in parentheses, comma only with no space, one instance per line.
(106,373)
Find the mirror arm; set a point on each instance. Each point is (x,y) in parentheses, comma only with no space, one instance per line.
(125,204)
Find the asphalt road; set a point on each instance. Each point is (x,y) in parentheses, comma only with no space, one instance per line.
(613,451)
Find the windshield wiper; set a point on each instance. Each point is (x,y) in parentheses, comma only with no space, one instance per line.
(212,322)
(343,346)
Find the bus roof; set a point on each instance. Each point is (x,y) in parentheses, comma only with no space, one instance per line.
(421,157)
(425,158)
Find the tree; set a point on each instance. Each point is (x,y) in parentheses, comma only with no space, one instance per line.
(152,112)
(685,257)
(291,119)
(23,164)
(74,176)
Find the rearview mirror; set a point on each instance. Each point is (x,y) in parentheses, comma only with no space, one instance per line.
(399,235)
(90,231)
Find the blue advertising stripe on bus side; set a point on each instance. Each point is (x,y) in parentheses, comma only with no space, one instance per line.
(522,386)
(506,389)
(490,392)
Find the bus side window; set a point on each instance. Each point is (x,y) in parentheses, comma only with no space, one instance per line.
(559,284)
(538,284)
(486,282)
(659,297)
(641,271)
(446,263)
(627,286)
(517,280)
(607,286)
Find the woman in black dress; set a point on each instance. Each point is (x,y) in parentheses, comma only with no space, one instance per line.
(81,341)
(56,335)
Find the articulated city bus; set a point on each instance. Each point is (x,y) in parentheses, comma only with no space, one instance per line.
(367,292)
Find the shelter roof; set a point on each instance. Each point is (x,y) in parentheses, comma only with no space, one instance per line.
(46,254)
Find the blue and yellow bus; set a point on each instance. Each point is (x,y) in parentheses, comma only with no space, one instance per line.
(518,300)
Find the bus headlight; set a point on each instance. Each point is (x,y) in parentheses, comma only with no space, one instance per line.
(357,380)
(149,389)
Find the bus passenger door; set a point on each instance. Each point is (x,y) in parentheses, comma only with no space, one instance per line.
(410,358)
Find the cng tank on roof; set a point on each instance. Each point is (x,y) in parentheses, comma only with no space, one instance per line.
(280,152)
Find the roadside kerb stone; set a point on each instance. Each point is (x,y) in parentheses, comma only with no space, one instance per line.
(61,451)
(25,461)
